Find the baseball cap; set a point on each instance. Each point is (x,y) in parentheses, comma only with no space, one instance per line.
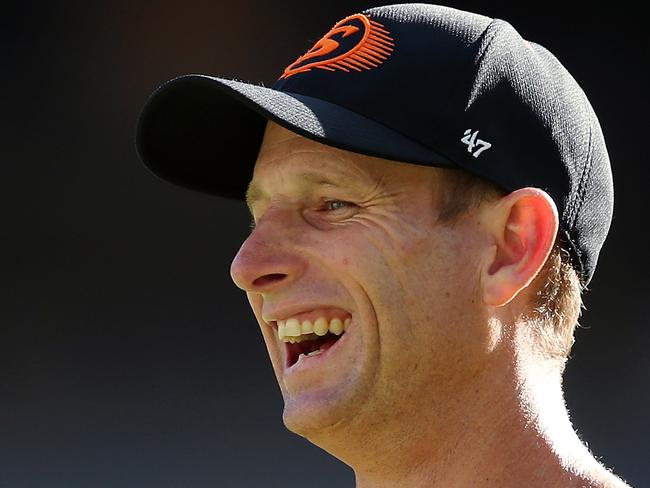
(416,83)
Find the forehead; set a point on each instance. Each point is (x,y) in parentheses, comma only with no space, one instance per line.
(291,160)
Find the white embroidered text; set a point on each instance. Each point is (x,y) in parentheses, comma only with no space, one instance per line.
(474,145)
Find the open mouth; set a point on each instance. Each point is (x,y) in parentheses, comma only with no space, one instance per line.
(310,347)
(307,339)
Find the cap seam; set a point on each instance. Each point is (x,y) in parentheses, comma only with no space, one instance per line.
(582,185)
(483,51)
(494,22)
(575,207)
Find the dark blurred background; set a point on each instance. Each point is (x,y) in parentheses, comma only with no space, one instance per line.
(127,357)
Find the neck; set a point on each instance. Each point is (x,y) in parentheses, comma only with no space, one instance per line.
(508,428)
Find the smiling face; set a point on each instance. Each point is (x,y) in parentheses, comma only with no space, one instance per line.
(347,241)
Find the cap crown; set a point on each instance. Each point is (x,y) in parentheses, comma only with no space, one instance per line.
(474,91)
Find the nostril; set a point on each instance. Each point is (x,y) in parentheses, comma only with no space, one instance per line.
(268,279)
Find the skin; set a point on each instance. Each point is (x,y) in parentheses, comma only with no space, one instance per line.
(438,383)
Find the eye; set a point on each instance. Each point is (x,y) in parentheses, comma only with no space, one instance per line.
(334,205)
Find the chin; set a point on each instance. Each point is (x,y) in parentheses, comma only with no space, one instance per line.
(309,413)
(320,413)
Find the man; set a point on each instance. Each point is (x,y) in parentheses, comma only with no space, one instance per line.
(430,193)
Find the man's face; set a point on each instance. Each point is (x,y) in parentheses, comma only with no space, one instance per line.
(347,236)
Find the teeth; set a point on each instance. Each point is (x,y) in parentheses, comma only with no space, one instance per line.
(292,328)
(336,326)
(313,353)
(307,327)
(321,326)
(293,331)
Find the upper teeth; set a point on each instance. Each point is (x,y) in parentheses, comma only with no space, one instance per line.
(293,331)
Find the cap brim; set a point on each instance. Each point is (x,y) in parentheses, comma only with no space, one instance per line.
(204,133)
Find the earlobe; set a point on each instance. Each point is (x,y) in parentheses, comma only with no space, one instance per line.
(523,225)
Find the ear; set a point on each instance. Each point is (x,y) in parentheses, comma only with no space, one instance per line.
(523,225)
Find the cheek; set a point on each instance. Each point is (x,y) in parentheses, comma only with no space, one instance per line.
(433,296)
(445,280)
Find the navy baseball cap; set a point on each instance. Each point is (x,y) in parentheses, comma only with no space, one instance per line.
(417,83)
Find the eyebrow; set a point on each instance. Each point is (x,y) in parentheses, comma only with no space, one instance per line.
(254,193)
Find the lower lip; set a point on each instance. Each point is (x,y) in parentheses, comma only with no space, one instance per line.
(308,362)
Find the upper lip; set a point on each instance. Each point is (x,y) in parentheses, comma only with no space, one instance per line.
(283,313)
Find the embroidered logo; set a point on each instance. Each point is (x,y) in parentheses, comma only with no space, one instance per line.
(356,43)
(473,143)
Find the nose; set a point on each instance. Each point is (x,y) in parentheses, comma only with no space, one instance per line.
(268,258)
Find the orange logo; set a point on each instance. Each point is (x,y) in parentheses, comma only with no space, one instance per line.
(370,43)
